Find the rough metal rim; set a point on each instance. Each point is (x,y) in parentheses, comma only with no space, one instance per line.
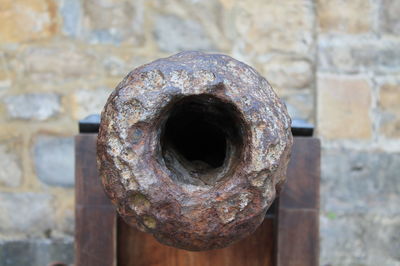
(137,179)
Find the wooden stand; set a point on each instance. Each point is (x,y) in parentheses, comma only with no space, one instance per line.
(288,236)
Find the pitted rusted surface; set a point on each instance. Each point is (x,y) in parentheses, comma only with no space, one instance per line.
(157,185)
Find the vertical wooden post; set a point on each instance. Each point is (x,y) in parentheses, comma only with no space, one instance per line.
(95,233)
(297,240)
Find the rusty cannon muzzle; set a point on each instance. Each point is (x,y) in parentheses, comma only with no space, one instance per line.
(193,149)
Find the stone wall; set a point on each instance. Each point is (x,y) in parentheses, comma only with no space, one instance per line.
(335,62)
(358,118)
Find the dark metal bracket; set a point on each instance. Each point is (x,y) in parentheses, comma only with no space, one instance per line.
(300,128)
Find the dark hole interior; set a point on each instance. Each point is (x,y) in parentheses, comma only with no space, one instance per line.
(194,135)
(201,133)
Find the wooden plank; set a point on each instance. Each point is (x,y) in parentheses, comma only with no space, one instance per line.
(139,249)
(302,186)
(288,236)
(297,237)
(290,240)
(95,234)
(297,240)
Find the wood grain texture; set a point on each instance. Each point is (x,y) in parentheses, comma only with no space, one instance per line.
(288,236)
(297,242)
(95,233)
(297,239)
(301,190)
(139,249)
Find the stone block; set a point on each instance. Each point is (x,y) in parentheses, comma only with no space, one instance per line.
(66,225)
(285,72)
(174,34)
(389,16)
(300,104)
(71,14)
(343,107)
(118,62)
(25,214)
(88,102)
(360,240)
(6,77)
(353,55)
(57,63)
(189,21)
(345,16)
(124,23)
(389,104)
(54,160)
(269,26)
(27,20)
(36,106)
(360,182)
(10,166)
(36,252)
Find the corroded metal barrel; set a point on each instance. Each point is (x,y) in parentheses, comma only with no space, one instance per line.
(193,149)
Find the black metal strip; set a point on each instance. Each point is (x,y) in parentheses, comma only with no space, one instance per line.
(300,127)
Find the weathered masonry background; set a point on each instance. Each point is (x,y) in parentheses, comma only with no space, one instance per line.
(335,62)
